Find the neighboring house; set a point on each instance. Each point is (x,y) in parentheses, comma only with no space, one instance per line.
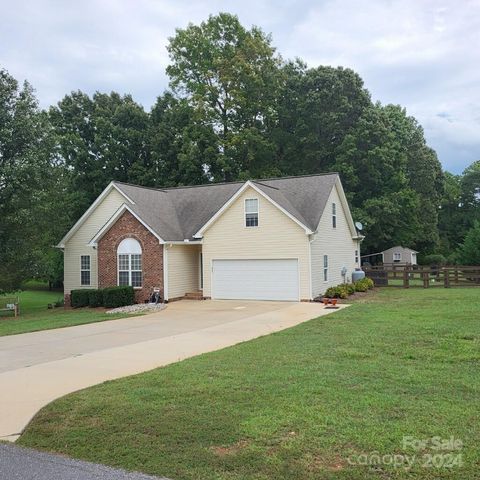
(399,256)
(277,239)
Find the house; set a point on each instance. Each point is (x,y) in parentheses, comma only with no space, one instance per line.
(399,256)
(276,239)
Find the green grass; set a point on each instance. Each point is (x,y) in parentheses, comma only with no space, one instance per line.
(34,314)
(296,404)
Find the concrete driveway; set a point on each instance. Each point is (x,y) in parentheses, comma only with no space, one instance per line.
(36,368)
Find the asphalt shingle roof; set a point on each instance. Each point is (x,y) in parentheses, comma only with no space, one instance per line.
(176,214)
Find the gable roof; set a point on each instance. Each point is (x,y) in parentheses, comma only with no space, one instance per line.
(399,247)
(93,206)
(179,213)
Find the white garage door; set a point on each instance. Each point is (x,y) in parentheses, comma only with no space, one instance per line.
(255,279)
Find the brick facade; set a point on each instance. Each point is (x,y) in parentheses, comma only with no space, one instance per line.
(127,226)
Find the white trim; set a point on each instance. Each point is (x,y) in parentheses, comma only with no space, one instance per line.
(130,270)
(165,272)
(182,242)
(346,208)
(325,268)
(92,207)
(245,213)
(411,258)
(310,266)
(232,199)
(128,245)
(89,270)
(114,218)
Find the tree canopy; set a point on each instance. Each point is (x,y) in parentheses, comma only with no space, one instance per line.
(236,110)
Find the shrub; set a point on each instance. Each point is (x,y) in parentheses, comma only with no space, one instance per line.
(340,291)
(361,286)
(434,260)
(350,288)
(95,298)
(364,284)
(79,298)
(118,296)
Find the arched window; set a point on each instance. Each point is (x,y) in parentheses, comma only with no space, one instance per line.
(129,254)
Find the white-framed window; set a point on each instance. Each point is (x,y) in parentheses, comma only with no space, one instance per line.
(356,256)
(251,212)
(397,257)
(334,215)
(84,269)
(325,268)
(129,254)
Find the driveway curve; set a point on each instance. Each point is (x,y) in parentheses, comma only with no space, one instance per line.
(36,368)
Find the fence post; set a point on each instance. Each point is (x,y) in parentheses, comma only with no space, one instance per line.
(405,278)
(446,278)
(426,279)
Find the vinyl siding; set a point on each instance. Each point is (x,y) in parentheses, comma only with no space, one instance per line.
(337,243)
(77,244)
(406,255)
(183,269)
(276,236)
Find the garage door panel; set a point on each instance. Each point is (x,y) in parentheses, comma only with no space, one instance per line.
(272,279)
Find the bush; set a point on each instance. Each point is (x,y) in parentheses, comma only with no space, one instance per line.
(434,260)
(79,298)
(345,289)
(340,291)
(118,296)
(95,298)
(364,284)
(361,286)
(350,288)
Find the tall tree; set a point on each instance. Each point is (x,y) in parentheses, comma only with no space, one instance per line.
(373,165)
(229,75)
(28,174)
(100,139)
(469,251)
(317,108)
(470,186)
(460,207)
(184,150)
(424,175)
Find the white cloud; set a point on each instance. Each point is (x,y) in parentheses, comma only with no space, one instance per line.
(422,54)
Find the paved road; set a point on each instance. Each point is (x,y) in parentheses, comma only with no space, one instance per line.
(18,463)
(46,365)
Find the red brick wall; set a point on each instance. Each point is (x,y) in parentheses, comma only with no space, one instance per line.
(127,226)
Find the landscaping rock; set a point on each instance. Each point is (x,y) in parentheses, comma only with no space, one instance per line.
(139,308)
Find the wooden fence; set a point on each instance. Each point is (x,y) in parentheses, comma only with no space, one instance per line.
(426,277)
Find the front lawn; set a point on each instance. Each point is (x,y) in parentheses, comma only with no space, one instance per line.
(34,314)
(300,404)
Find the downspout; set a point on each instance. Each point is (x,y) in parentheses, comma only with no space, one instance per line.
(311,238)
(165,272)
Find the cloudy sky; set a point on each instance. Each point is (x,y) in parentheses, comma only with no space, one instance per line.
(422,54)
